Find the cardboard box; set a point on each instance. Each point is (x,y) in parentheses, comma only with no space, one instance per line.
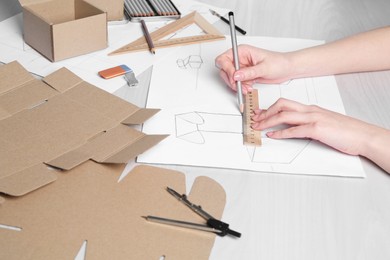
(61,122)
(61,29)
(114,8)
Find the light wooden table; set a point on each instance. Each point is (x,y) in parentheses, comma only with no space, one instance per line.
(307,217)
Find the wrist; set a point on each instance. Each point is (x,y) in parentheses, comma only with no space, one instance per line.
(312,62)
(375,144)
(297,65)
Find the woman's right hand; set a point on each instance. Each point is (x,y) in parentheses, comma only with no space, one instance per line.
(256,66)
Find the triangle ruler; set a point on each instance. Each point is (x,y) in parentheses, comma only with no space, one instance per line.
(210,34)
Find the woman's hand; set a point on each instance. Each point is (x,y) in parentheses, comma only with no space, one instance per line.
(256,66)
(341,132)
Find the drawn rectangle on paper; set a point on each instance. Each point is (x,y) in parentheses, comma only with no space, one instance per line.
(187,87)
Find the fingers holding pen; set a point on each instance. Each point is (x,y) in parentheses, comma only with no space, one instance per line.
(226,70)
(225,63)
(231,82)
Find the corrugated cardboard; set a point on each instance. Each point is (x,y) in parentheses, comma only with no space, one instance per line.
(62,122)
(88,204)
(61,29)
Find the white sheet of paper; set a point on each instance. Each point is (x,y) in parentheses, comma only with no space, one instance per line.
(201,116)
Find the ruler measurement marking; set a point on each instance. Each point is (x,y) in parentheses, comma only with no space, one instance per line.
(251,137)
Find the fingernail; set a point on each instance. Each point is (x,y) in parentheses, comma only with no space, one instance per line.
(270,134)
(217,65)
(238,76)
(257,111)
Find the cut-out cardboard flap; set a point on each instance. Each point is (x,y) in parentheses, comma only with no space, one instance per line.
(117,145)
(27,180)
(88,204)
(12,76)
(63,121)
(73,87)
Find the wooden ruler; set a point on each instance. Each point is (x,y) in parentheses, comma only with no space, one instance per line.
(168,43)
(210,34)
(251,137)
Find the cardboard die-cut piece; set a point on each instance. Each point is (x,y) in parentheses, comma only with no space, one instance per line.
(61,121)
(88,204)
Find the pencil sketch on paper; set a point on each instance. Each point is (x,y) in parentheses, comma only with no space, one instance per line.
(192,126)
(200,114)
(196,127)
(193,62)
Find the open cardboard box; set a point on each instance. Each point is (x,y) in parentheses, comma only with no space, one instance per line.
(61,122)
(61,29)
(114,8)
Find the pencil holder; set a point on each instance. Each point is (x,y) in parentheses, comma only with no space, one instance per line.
(151,10)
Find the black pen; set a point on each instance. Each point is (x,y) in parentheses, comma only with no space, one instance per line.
(227,21)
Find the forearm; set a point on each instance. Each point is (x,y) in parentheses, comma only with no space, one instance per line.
(368,51)
(377,147)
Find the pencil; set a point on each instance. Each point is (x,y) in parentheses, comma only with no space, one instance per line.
(147,36)
(146,7)
(236,60)
(171,7)
(157,7)
(130,9)
(142,11)
(136,8)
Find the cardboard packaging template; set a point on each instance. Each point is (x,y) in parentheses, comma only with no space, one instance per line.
(88,204)
(60,29)
(61,122)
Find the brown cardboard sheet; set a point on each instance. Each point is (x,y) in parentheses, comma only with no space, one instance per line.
(88,204)
(62,122)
